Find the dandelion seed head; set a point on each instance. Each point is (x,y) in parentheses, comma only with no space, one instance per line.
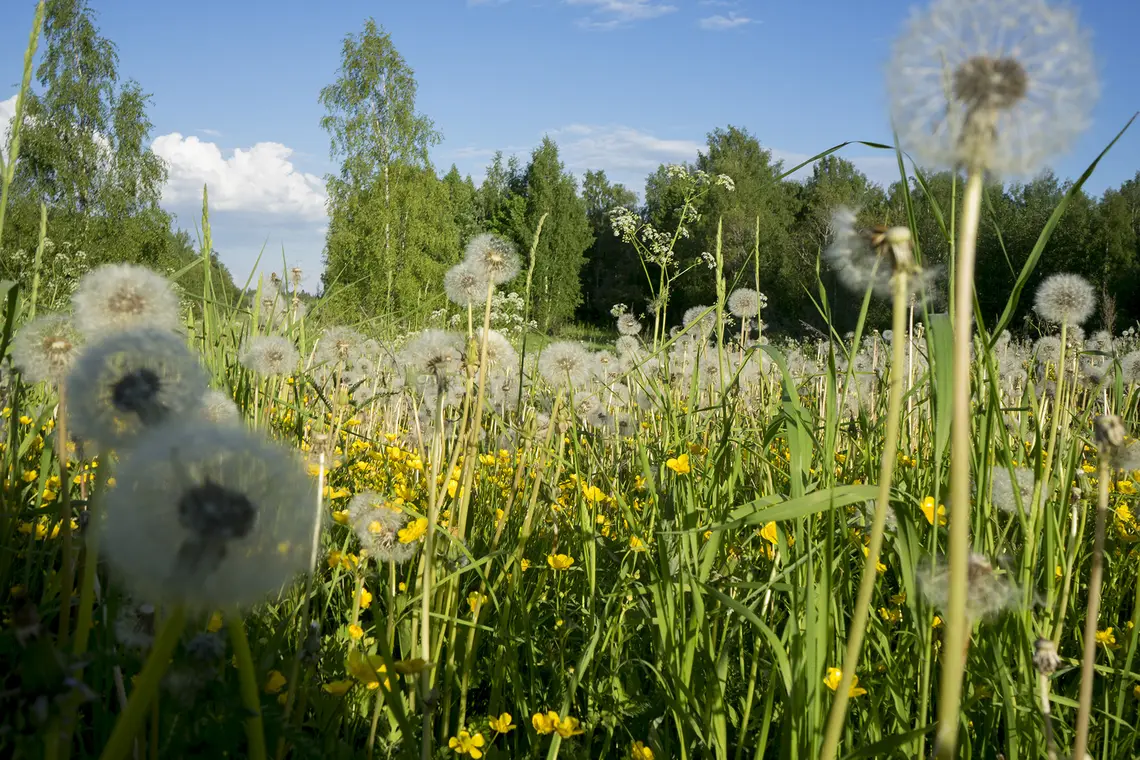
(565,363)
(269,355)
(45,347)
(1021,80)
(123,296)
(628,324)
(433,352)
(1130,367)
(500,353)
(207,516)
(134,626)
(1003,487)
(377,523)
(745,302)
(337,346)
(131,380)
(218,408)
(1065,299)
(466,284)
(627,345)
(495,256)
(989,591)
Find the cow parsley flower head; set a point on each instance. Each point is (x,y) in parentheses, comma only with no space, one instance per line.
(998,85)
(131,380)
(495,257)
(1065,299)
(123,296)
(565,363)
(466,284)
(270,355)
(206,516)
(45,347)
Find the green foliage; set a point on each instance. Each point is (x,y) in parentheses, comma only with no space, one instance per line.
(613,272)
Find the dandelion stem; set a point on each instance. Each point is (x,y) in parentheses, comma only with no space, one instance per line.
(146,687)
(1088,662)
(953,663)
(837,716)
(250,699)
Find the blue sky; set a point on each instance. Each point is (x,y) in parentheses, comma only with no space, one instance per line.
(621,85)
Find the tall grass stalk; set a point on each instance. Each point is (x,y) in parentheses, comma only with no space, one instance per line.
(961,453)
(837,716)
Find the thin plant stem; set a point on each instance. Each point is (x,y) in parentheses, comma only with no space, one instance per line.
(1096,574)
(250,699)
(131,720)
(954,637)
(838,714)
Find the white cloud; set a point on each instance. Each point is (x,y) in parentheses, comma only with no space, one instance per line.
(209,132)
(610,14)
(260,180)
(719,23)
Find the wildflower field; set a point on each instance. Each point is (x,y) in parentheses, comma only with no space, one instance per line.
(241,529)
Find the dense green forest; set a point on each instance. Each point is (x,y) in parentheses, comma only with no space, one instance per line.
(396,223)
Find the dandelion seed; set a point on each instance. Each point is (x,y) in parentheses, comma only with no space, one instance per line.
(466,284)
(1003,494)
(494,256)
(131,380)
(210,517)
(628,345)
(869,258)
(989,591)
(270,355)
(1130,368)
(1021,82)
(45,348)
(377,525)
(124,296)
(134,626)
(1065,299)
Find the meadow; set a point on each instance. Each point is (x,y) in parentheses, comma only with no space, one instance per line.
(245,530)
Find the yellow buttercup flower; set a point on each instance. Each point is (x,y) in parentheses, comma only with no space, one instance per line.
(337,688)
(413,531)
(466,744)
(879,566)
(545,723)
(474,599)
(932,513)
(1106,638)
(769,534)
(835,676)
(355,632)
(679,465)
(638,751)
(274,682)
(636,544)
(365,598)
(560,561)
(367,669)
(567,727)
(501,724)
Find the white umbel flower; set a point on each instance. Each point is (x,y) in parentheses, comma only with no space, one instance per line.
(132,380)
(124,296)
(999,85)
(208,516)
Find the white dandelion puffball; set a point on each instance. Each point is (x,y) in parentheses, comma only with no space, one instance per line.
(565,363)
(1019,74)
(45,347)
(207,516)
(1065,299)
(628,324)
(338,345)
(989,591)
(270,355)
(377,523)
(219,408)
(493,257)
(1005,497)
(745,302)
(466,284)
(131,380)
(124,296)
